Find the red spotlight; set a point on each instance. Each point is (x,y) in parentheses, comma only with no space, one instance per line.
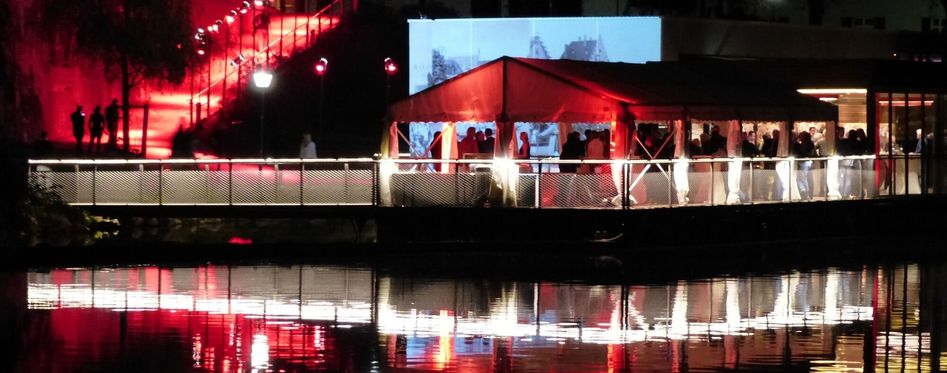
(321,66)
(390,66)
(201,52)
(230,17)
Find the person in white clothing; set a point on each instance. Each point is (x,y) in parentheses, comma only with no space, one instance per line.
(307,149)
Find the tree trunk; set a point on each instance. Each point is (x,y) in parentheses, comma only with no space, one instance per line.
(816,11)
(126,105)
(126,83)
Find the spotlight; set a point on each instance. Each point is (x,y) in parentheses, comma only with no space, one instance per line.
(321,66)
(390,67)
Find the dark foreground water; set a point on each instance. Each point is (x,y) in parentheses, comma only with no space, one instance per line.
(322,318)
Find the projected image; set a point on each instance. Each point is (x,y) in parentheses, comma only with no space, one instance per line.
(442,49)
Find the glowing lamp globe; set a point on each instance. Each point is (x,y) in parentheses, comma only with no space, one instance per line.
(390,67)
(262,79)
(321,66)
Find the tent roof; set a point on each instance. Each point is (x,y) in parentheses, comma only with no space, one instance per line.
(532,90)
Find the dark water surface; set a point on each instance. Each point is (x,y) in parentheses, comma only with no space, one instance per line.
(329,318)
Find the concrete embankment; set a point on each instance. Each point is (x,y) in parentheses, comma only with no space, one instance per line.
(513,239)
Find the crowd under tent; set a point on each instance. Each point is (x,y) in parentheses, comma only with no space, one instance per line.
(624,96)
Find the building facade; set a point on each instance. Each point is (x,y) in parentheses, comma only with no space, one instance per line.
(901,15)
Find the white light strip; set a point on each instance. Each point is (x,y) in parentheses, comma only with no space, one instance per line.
(832,91)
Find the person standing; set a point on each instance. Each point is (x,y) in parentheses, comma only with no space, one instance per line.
(571,150)
(111,124)
(488,143)
(96,126)
(78,127)
(804,149)
(307,148)
(524,153)
(468,145)
(436,150)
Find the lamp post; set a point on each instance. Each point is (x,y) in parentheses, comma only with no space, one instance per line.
(320,69)
(391,68)
(262,80)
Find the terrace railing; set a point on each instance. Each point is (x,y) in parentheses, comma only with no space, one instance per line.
(539,184)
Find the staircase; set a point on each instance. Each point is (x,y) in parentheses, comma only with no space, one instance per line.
(217,78)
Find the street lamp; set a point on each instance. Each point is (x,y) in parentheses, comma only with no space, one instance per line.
(262,80)
(320,68)
(390,69)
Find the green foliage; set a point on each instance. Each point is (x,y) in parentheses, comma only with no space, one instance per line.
(153,36)
(46,219)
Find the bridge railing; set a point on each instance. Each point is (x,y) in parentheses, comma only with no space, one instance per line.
(546,183)
(210,182)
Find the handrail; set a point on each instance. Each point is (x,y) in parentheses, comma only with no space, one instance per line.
(453,161)
(265,51)
(412,182)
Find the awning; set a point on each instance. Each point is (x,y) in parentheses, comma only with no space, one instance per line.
(530,90)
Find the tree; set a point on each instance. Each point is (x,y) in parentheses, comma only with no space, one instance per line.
(943,5)
(660,7)
(141,39)
(816,11)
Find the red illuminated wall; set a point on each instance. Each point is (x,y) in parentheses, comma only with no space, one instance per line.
(62,81)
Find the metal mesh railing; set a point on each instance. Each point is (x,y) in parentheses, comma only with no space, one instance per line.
(550,183)
(209,182)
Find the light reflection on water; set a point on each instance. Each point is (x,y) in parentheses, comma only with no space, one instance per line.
(243,318)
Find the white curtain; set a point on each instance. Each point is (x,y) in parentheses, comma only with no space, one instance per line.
(832,180)
(449,146)
(735,168)
(393,140)
(681,184)
(782,167)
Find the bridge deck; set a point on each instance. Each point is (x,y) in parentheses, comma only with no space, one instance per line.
(533,184)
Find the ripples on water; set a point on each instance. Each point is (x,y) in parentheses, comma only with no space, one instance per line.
(311,318)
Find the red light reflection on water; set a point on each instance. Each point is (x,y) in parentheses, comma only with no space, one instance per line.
(317,318)
(240,241)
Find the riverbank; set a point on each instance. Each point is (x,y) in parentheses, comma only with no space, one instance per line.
(556,243)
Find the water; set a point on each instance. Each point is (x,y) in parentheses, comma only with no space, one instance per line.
(324,318)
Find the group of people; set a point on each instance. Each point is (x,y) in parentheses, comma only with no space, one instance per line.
(575,148)
(474,142)
(98,123)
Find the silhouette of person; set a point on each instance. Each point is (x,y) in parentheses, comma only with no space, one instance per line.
(436,150)
(524,146)
(488,143)
(111,123)
(96,126)
(469,144)
(78,127)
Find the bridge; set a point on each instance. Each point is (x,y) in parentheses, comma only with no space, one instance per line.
(527,184)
